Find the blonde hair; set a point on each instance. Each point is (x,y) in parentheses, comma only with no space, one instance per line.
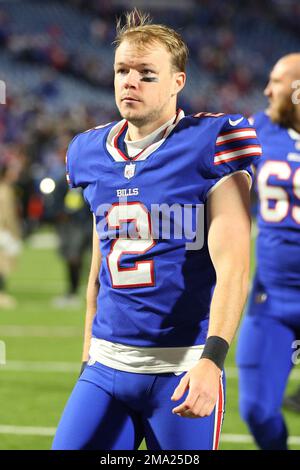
(139,29)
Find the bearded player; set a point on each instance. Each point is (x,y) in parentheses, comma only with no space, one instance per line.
(161,313)
(272,324)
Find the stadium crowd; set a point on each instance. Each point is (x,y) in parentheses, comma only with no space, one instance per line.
(56,60)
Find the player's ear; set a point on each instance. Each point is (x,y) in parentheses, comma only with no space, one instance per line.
(179,81)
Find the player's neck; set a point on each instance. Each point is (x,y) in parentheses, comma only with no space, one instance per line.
(137,133)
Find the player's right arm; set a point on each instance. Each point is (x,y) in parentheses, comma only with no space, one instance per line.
(77,172)
(92,294)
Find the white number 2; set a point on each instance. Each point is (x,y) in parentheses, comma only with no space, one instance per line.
(279,195)
(142,272)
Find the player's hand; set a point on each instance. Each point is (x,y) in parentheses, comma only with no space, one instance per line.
(203,382)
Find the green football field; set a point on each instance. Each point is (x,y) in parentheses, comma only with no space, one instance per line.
(43,355)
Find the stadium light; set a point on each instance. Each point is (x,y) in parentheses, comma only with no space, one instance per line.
(47,186)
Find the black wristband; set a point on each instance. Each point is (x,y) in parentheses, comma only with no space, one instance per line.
(215,349)
(83,365)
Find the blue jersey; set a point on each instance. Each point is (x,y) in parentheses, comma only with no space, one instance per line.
(278,185)
(153,291)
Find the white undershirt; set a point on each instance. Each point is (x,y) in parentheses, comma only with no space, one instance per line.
(134,147)
(146,360)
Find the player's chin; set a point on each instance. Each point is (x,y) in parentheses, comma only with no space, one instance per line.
(279,117)
(274,114)
(132,115)
(130,106)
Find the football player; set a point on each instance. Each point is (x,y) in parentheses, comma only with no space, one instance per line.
(162,309)
(272,323)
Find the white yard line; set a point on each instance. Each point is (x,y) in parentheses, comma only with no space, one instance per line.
(34,307)
(247,439)
(232,373)
(40,331)
(43,241)
(27,430)
(48,431)
(40,366)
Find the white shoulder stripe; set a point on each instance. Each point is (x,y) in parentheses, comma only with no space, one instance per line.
(236,135)
(248,151)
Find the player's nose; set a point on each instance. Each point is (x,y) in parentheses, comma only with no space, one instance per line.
(131,79)
(268,90)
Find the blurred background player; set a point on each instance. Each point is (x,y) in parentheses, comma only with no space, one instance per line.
(10,230)
(73,224)
(272,322)
(74,229)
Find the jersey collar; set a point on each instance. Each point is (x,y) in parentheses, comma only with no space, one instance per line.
(113,147)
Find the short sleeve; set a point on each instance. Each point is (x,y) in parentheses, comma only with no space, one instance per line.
(237,146)
(236,149)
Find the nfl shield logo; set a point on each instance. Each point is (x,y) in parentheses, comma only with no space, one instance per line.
(129,171)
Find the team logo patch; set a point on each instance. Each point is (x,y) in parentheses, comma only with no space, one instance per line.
(236,122)
(129,171)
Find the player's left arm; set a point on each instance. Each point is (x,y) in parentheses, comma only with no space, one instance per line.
(229,246)
(229,221)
